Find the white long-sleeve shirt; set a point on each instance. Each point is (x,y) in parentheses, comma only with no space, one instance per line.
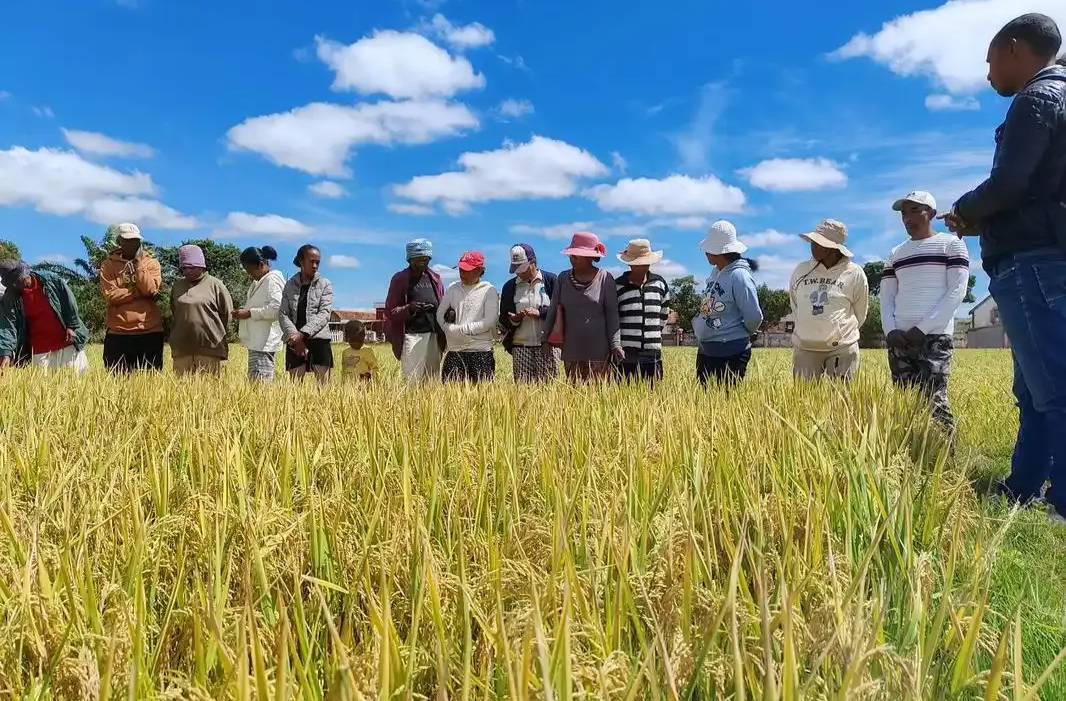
(262,332)
(924,283)
(477,309)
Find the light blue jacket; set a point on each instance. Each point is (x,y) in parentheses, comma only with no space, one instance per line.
(731,312)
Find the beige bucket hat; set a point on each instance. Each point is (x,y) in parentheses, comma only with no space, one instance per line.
(639,252)
(830,233)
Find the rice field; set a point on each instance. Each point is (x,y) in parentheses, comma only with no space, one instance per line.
(207,539)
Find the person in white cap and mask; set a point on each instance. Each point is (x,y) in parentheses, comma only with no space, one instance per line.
(524,305)
(730,313)
(643,306)
(924,282)
(130,280)
(830,299)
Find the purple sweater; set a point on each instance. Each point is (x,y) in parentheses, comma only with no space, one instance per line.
(590,317)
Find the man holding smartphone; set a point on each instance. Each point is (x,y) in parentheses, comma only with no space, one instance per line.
(410,314)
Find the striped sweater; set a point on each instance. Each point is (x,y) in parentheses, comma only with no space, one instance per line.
(924,283)
(642,313)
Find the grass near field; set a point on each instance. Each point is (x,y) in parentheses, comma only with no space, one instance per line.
(194,539)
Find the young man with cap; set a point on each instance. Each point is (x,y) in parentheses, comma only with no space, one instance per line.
(523,307)
(130,280)
(411,314)
(830,300)
(1020,214)
(924,282)
(468,314)
(39,320)
(643,305)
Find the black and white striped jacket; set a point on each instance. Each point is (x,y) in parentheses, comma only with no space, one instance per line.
(642,312)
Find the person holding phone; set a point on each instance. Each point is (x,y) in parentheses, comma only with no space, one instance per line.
(410,314)
(523,306)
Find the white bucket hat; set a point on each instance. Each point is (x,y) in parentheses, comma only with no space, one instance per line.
(830,233)
(639,252)
(722,239)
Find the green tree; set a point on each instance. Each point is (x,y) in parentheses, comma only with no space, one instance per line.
(8,250)
(871,333)
(685,300)
(969,298)
(775,305)
(874,270)
(223,261)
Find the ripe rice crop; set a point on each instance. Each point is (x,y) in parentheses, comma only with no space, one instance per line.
(204,538)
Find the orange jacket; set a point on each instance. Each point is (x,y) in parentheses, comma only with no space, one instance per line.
(130,288)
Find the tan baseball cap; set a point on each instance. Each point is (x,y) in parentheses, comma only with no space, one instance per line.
(128,231)
(830,233)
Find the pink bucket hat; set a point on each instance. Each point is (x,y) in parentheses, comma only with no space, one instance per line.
(585,245)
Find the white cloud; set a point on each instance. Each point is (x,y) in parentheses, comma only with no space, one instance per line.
(563,232)
(946,44)
(676,194)
(398,64)
(693,144)
(243,224)
(670,269)
(691,223)
(4,95)
(541,168)
(149,213)
(318,138)
(43,111)
(445,272)
(63,183)
(940,103)
(768,238)
(54,258)
(416,210)
(338,261)
(515,109)
(618,162)
(469,36)
(327,189)
(103,145)
(795,174)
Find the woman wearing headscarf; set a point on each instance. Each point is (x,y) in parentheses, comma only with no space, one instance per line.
(411,314)
(830,299)
(39,320)
(730,313)
(306,303)
(524,306)
(202,309)
(468,314)
(583,315)
(259,329)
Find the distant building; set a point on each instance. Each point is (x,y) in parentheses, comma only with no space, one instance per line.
(778,335)
(374,319)
(986,328)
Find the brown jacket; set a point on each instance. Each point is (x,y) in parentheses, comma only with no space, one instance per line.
(130,289)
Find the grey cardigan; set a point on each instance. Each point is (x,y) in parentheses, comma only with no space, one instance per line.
(319,307)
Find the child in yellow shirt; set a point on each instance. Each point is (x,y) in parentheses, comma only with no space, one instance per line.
(358,360)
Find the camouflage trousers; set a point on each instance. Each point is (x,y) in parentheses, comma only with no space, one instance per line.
(927,368)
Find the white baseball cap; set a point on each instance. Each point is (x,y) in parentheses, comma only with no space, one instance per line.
(917,197)
(128,231)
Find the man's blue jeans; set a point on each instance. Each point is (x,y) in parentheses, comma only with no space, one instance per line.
(1030,292)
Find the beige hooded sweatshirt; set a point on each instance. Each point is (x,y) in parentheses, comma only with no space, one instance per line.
(829,305)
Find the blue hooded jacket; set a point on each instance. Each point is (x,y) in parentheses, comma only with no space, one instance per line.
(731,312)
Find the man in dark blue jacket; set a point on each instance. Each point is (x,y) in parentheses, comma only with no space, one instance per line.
(523,306)
(1020,214)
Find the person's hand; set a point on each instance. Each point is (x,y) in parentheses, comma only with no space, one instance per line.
(957,225)
(242,314)
(300,349)
(516,317)
(71,337)
(531,312)
(619,354)
(896,339)
(295,339)
(413,307)
(5,362)
(915,336)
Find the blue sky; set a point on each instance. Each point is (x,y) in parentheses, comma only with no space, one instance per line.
(480,124)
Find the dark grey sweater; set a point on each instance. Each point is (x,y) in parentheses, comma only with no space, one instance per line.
(590,317)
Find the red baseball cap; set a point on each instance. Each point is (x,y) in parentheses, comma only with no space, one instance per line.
(471,260)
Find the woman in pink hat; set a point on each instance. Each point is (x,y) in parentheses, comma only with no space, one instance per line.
(583,316)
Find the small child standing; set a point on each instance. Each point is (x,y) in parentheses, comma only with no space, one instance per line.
(358,359)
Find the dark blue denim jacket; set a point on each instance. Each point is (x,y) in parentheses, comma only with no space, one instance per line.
(1022,204)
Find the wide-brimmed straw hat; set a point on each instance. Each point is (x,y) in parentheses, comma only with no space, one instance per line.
(639,252)
(585,245)
(722,239)
(830,233)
